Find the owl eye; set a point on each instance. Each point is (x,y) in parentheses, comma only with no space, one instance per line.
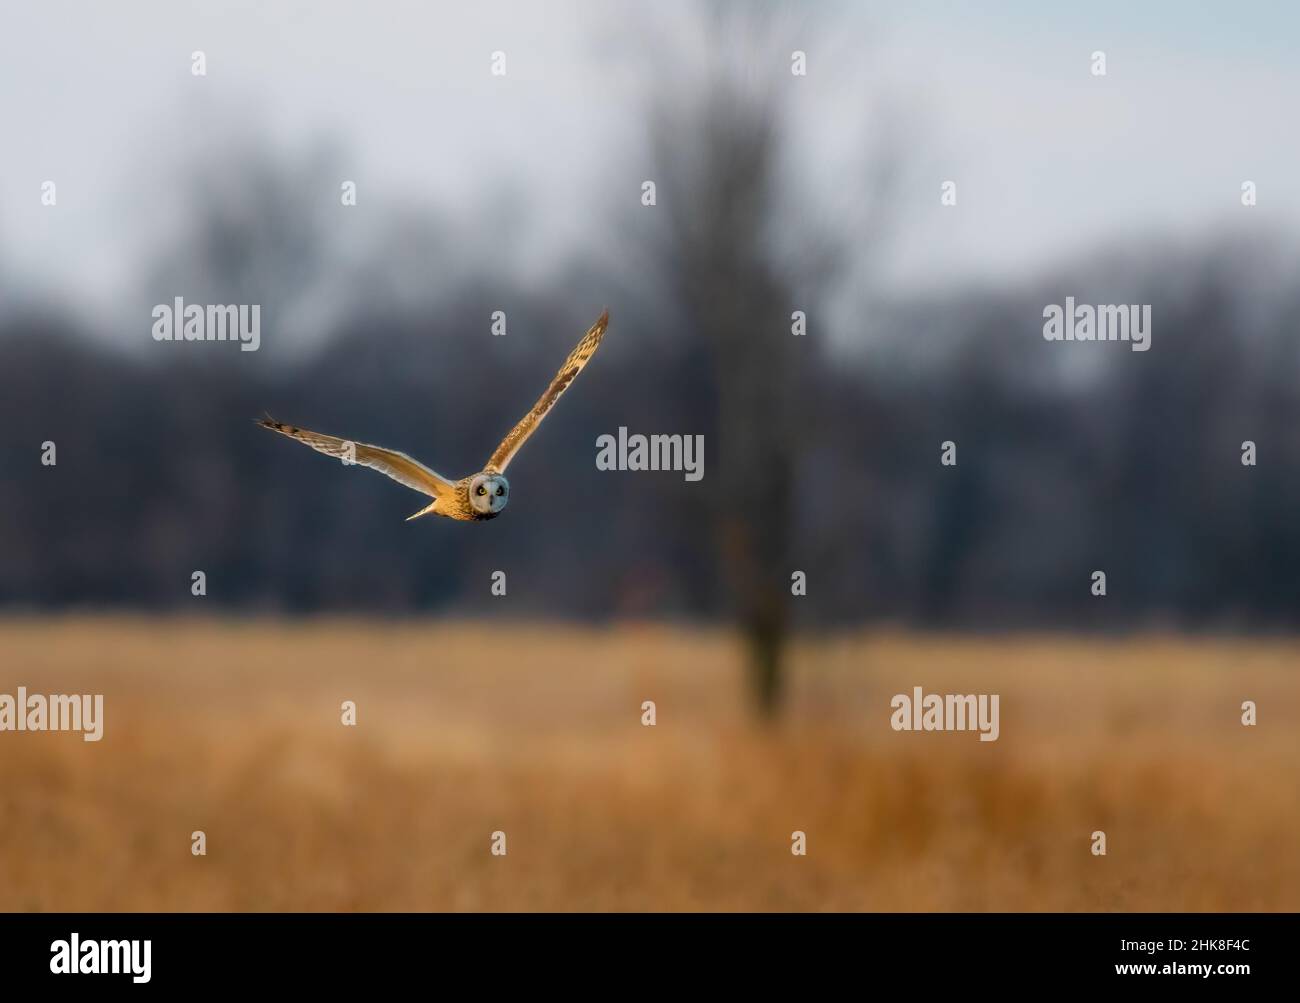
(501,490)
(481,490)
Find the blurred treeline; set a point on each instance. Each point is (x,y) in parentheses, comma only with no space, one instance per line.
(1071,457)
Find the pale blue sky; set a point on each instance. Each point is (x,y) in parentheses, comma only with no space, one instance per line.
(1049,160)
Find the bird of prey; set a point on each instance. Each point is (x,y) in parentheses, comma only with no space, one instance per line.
(479,496)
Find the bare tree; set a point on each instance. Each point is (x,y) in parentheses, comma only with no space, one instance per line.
(739,270)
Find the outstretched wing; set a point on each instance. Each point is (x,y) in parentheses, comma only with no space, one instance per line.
(578,358)
(398,466)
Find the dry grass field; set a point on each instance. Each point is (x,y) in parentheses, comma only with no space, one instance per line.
(233,728)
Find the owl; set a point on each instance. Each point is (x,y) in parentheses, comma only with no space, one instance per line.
(480,496)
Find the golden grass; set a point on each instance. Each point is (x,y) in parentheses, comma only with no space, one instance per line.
(233,728)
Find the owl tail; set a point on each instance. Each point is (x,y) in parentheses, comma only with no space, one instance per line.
(424,511)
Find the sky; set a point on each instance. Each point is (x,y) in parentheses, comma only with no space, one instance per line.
(1049,160)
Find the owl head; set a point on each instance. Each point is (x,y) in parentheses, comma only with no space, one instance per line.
(488,493)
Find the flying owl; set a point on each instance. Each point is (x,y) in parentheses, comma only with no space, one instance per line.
(472,499)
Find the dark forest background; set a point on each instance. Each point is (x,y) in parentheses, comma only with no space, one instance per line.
(1132,467)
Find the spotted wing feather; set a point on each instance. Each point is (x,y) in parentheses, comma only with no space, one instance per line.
(398,466)
(573,365)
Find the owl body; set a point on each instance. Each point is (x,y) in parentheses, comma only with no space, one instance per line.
(457,506)
(477,498)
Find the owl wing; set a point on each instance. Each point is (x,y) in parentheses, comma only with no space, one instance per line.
(573,365)
(398,466)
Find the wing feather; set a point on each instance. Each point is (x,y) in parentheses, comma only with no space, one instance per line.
(573,365)
(398,466)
